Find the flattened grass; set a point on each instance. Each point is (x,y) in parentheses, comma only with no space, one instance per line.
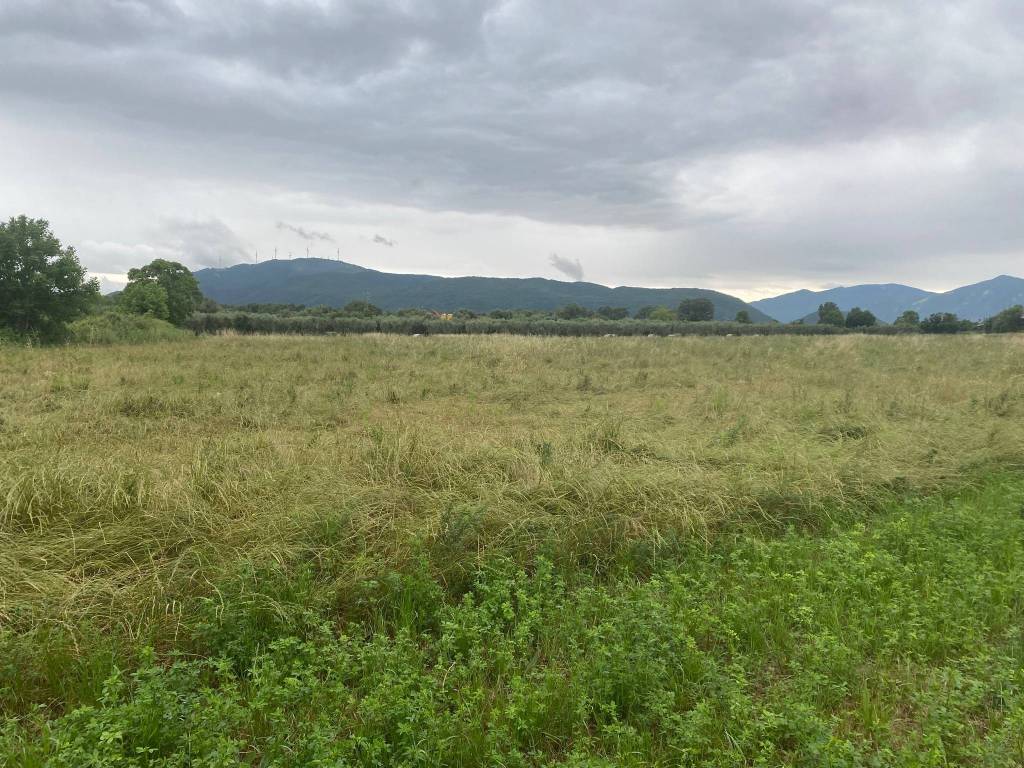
(218,496)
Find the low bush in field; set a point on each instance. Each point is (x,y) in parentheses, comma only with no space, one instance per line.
(123,328)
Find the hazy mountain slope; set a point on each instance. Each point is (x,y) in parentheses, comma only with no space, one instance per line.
(977,301)
(335,283)
(887,301)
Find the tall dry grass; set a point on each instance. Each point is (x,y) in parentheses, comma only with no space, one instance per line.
(135,480)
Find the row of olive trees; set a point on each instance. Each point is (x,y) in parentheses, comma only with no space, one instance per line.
(688,311)
(44,288)
(424,324)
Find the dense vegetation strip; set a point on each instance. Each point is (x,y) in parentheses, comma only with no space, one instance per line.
(46,298)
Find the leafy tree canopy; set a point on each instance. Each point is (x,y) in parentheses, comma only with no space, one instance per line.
(42,284)
(908,318)
(1007,321)
(743,316)
(860,318)
(694,310)
(145,299)
(613,313)
(183,295)
(573,312)
(944,322)
(829,313)
(663,315)
(362,309)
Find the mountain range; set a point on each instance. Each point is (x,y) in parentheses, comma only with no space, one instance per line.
(888,301)
(335,283)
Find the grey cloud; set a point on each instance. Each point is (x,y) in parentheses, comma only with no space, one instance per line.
(305,234)
(584,112)
(201,242)
(381,240)
(527,107)
(571,268)
(193,242)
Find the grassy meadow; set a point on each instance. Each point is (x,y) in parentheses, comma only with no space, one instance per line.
(385,550)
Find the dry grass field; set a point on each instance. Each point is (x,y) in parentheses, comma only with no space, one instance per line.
(173,516)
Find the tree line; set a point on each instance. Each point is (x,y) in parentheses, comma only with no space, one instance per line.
(425,323)
(688,310)
(1009,320)
(44,290)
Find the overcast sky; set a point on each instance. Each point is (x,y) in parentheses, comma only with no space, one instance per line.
(752,146)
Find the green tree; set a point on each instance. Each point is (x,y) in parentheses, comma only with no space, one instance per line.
(208,305)
(573,312)
(860,318)
(145,299)
(42,284)
(743,316)
(942,322)
(645,312)
(830,314)
(662,314)
(613,313)
(694,310)
(183,295)
(910,318)
(362,309)
(1007,321)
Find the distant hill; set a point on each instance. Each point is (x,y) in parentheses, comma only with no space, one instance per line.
(335,283)
(888,301)
(977,301)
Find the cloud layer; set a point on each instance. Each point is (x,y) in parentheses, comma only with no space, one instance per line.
(738,144)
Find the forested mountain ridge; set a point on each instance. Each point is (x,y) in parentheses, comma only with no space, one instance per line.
(888,301)
(335,283)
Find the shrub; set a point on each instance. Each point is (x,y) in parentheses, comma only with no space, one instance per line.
(121,328)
